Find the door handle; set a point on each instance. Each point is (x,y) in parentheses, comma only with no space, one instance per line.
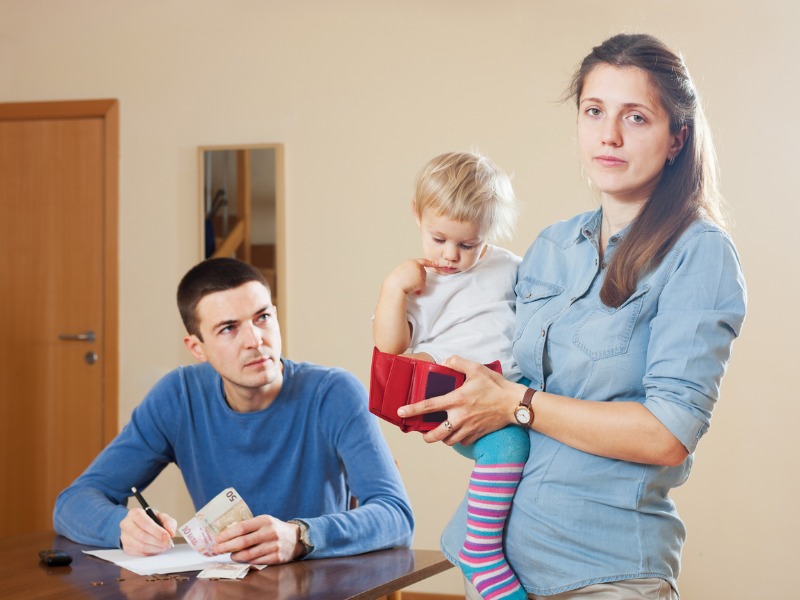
(86,336)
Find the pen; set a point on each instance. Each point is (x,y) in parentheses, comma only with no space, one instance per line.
(150,511)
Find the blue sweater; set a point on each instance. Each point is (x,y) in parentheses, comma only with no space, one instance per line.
(301,457)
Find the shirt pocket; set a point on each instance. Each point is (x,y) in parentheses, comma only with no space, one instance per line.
(607,331)
(532,295)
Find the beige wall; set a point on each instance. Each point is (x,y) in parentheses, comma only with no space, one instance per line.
(362,93)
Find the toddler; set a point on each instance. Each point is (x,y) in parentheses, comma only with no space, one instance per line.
(459,299)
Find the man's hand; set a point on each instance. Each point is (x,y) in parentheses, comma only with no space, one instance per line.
(262,540)
(140,536)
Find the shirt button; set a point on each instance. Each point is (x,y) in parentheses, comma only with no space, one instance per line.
(542,333)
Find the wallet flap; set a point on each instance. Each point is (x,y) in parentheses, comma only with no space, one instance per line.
(390,385)
(431,380)
(399,380)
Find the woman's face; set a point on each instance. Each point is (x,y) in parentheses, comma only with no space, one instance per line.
(623,133)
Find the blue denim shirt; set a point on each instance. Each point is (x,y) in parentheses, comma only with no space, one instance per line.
(577,518)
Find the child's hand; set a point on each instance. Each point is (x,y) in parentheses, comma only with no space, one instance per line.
(390,327)
(410,275)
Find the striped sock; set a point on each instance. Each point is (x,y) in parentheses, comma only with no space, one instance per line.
(491,488)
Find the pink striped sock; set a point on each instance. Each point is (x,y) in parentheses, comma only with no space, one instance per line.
(491,489)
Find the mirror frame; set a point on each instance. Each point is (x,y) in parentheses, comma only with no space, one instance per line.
(280,222)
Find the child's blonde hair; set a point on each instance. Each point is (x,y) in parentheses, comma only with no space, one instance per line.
(468,187)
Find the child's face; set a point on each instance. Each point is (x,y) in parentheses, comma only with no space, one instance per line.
(454,246)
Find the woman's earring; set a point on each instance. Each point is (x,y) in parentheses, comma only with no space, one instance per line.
(671,161)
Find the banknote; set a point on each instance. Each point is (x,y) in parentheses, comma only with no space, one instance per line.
(225,571)
(225,508)
(198,536)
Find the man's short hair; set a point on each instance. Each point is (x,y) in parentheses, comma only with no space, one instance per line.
(210,276)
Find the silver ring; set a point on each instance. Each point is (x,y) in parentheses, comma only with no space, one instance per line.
(448,425)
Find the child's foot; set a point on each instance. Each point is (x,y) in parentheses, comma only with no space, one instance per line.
(492,576)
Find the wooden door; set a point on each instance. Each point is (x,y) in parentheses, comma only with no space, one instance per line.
(58,276)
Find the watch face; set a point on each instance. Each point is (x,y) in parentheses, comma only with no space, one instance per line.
(522,415)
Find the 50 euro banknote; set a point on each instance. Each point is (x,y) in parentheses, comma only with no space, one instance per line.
(225,508)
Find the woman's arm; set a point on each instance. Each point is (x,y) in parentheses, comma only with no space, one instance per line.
(621,430)
(701,310)
(390,327)
(486,403)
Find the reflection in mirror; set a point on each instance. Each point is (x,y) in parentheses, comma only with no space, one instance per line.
(242,209)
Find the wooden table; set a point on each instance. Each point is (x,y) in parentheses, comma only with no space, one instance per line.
(362,577)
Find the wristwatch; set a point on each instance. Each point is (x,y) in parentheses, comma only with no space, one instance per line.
(524,413)
(305,537)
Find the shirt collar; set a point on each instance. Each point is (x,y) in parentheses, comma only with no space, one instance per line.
(590,228)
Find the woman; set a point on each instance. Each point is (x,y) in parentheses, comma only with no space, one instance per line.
(624,326)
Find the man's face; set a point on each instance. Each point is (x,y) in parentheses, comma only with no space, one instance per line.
(241,340)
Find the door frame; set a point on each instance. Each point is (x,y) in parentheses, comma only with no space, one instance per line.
(108,111)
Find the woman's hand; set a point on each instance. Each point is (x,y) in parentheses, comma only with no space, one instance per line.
(485,403)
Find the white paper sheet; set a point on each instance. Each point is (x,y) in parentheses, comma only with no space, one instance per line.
(179,559)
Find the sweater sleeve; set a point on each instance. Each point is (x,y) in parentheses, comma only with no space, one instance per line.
(383,518)
(89,511)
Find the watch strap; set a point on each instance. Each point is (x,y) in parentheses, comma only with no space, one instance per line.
(526,403)
(305,536)
(528,398)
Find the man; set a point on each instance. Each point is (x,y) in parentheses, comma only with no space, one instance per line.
(294,439)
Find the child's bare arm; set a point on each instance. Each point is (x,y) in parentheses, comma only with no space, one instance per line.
(420,356)
(390,327)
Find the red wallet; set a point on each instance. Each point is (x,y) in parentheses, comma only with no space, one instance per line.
(395,381)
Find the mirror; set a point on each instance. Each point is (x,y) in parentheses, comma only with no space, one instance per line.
(242,210)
